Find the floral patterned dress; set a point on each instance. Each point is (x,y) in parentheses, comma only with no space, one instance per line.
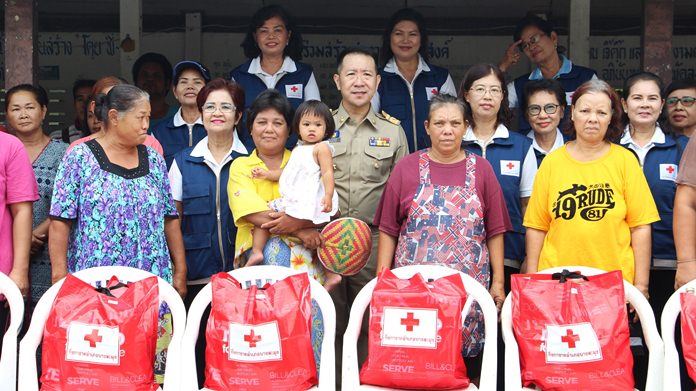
(118,214)
(118,218)
(45,167)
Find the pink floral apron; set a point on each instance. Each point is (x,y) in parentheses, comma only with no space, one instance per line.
(445,226)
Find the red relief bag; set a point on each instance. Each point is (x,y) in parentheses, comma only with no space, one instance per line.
(572,331)
(688,331)
(415,337)
(101,340)
(260,339)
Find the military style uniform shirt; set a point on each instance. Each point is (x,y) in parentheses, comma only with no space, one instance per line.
(365,154)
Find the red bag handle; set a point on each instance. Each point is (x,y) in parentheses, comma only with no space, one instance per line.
(111,285)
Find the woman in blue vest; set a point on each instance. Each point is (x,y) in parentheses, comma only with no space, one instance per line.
(408,79)
(536,38)
(185,128)
(199,176)
(273,46)
(511,154)
(544,105)
(659,155)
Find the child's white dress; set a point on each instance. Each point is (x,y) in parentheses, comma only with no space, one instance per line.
(301,187)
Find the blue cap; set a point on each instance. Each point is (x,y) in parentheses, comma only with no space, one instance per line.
(188,64)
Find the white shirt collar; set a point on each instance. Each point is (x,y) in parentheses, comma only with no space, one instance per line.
(392,68)
(287,67)
(657,138)
(201,149)
(556,144)
(179,119)
(500,132)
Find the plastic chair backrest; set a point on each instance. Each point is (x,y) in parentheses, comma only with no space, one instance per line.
(94,276)
(260,275)
(513,378)
(8,360)
(672,309)
(475,292)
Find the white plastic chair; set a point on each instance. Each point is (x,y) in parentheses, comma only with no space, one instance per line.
(8,361)
(671,311)
(33,337)
(475,292)
(253,275)
(513,377)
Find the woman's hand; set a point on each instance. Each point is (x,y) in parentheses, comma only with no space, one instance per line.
(259,173)
(327,203)
(511,57)
(311,238)
(38,241)
(497,292)
(21,279)
(283,224)
(179,282)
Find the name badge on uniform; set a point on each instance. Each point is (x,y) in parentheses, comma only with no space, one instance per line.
(510,167)
(431,91)
(293,91)
(379,141)
(336,138)
(668,172)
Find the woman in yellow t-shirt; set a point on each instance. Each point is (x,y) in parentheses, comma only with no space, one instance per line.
(591,205)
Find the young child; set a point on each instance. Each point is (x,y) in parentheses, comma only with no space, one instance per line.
(307,181)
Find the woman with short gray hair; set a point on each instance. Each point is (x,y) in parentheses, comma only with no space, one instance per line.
(112,203)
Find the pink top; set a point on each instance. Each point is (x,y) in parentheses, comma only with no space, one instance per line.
(17,184)
(149,142)
(403,182)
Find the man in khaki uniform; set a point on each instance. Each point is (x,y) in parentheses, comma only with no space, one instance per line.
(367,146)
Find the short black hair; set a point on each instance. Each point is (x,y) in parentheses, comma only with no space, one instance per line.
(479,71)
(270,99)
(532,20)
(551,86)
(156,58)
(39,94)
(319,109)
(683,84)
(354,50)
(411,15)
(295,45)
(82,83)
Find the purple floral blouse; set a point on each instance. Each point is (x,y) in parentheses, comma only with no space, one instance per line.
(118,214)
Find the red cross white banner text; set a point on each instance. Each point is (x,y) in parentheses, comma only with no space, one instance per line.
(260,338)
(572,332)
(101,340)
(415,338)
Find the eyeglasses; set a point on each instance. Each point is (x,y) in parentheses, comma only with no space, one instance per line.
(535,110)
(224,108)
(533,40)
(686,101)
(479,91)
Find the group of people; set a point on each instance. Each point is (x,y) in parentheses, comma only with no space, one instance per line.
(245,170)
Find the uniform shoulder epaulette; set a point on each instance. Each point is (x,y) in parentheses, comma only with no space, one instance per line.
(390,118)
(334,111)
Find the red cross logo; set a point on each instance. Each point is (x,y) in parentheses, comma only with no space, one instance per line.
(433,91)
(93,338)
(252,339)
(294,88)
(510,165)
(409,321)
(670,169)
(570,338)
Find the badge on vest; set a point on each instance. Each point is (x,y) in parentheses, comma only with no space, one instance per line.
(293,91)
(572,343)
(93,343)
(336,138)
(668,172)
(379,141)
(254,343)
(409,327)
(431,91)
(510,167)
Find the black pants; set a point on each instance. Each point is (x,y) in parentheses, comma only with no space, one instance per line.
(200,342)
